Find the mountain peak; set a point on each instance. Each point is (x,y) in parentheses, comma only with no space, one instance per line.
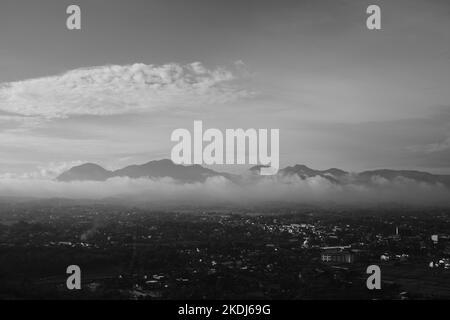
(164,168)
(89,165)
(162,162)
(300,169)
(87,171)
(335,172)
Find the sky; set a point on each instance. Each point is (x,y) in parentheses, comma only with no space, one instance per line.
(112,93)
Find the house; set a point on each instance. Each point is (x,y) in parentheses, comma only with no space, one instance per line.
(337,256)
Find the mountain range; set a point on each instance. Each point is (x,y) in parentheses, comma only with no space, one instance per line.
(196,173)
(153,169)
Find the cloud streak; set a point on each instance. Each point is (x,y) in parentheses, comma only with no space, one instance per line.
(115,90)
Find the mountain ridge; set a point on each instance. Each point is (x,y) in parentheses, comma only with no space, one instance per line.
(152,169)
(196,173)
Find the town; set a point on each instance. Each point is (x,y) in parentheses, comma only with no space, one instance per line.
(222,253)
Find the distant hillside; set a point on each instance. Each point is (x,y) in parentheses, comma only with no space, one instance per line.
(197,173)
(152,169)
(84,172)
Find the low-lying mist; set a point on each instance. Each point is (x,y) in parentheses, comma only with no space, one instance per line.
(292,189)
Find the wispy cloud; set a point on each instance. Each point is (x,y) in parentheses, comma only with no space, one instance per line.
(432,147)
(115,89)
(44,172)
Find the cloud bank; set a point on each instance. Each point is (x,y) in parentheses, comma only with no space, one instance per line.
(292,189)
(115,89)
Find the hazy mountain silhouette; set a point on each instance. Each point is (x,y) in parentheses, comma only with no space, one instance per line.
(197,173)
(153,169)
(86,172)
(419,176)
(340,176)
(304,172)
